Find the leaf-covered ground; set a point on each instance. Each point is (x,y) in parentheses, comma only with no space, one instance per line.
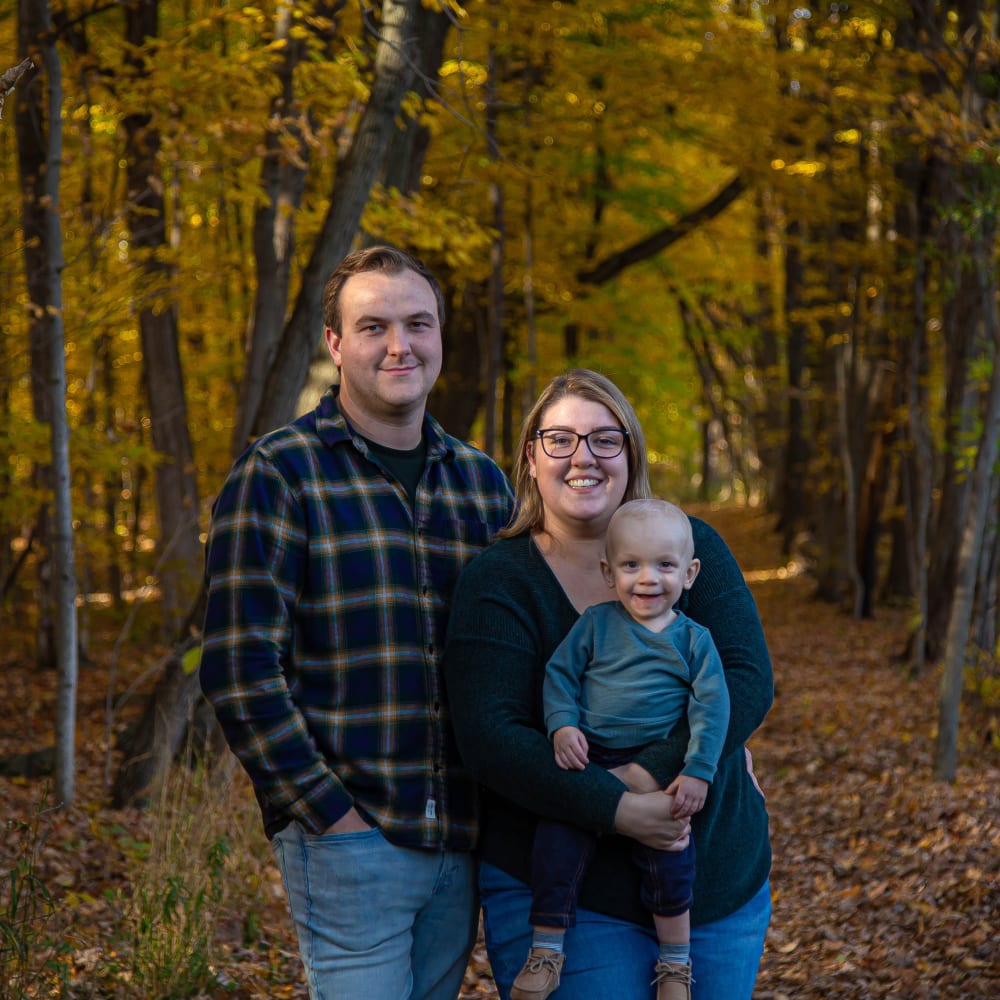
(886,883)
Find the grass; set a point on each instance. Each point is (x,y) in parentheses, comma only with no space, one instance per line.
(189,886)
(29,956)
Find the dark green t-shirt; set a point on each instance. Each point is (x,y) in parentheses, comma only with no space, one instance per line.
(407,466)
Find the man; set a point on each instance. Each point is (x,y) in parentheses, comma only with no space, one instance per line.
(334,547)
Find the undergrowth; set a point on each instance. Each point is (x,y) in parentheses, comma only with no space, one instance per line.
(193,869)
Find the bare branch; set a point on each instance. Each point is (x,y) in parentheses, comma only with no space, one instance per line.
(613,265)
(12,78)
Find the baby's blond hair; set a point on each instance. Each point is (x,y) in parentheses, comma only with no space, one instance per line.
(649,508)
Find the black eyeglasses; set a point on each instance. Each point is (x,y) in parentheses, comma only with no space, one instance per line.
(608,442)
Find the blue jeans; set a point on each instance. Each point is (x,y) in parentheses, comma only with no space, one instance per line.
(375,920)
(608,959)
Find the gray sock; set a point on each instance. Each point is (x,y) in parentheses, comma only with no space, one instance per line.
(675,954)
(546,939)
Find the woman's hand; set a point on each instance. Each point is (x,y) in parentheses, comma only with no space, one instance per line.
(750,771)
(648,818)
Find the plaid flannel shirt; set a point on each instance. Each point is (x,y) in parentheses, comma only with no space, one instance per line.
(328,599)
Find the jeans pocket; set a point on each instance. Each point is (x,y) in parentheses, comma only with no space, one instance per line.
(372,833)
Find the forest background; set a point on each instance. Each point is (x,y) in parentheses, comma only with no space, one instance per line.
(774,225)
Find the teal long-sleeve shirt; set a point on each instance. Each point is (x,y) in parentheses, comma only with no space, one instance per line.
(508,615)
(623,685)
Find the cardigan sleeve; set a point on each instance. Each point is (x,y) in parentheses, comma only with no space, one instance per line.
(505,622)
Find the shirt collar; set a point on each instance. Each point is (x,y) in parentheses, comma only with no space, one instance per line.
(333,428)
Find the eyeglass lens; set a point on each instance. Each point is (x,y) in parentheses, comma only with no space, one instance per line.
(607,443)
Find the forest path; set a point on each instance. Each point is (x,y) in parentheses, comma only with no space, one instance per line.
(885,882)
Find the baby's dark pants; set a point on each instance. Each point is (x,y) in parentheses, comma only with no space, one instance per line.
(562,854)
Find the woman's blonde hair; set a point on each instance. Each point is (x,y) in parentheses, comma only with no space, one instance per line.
(585,384)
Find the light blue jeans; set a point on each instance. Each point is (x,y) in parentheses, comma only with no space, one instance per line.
(375,920)
(608,959)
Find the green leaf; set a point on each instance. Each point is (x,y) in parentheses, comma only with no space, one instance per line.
(191,660)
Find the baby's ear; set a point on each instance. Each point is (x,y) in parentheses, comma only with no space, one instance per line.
(609,578)
(692,572)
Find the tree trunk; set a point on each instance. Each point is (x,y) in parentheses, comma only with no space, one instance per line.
(984,630)
(160,734)
(824,492)
(404,158)
(29,125)
(982,264)
(175,483)
(768,415)
(395,57)
(456,398)
(796,457)
(495,298)
(40,146)
(851,476)
(282,183)
(962,413)
(959,625)
(916,468)
(529,390)
(181,553)
(457,394)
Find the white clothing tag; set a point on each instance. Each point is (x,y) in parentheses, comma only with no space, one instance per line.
(430,810)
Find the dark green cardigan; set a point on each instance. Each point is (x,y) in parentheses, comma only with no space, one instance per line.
(508,615)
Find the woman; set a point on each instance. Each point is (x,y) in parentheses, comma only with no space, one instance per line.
(513,605)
